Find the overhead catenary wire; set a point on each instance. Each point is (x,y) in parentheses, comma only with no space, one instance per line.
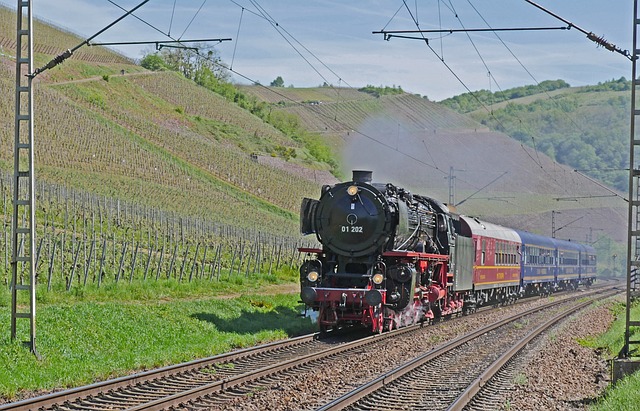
(483,187)
(262,13)
(601,185)
(440,26)
(235,45)
(193,18)
(599,40)
(575,124)
(441,58)
(536,160)
(142,20)
(343,123)
(524,68)
(269,17)
(68,53)
(446,65)
(159,43)
(288,98)
(173,12)
(216,63)
(280,29)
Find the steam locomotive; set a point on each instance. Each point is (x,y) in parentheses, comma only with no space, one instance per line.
(390,258)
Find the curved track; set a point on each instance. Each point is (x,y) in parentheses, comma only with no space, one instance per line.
(449,377)
(151,386)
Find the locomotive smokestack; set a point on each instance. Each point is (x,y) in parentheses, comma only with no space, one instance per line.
(362,176)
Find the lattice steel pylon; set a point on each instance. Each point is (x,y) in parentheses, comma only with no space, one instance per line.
(633,240)
(23,278)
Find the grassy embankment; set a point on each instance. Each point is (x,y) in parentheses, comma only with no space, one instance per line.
(625,395)
(93,334)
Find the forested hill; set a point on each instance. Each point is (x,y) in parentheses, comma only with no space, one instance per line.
(586,128)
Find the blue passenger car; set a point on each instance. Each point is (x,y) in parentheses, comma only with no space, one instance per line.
(568,264)
(587,265)
(538,257)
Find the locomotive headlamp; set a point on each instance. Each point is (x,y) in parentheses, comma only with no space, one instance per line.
(313,276)
(352,190)
(378,278)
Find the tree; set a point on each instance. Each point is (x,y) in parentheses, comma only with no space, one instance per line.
(278,82)
(191,63)
(153,62)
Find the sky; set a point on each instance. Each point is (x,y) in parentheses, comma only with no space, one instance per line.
(312,42)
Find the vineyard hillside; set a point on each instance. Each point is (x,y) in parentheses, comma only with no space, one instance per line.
(107,126)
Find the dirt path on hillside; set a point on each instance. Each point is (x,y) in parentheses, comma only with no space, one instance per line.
(291,288)
(85,80)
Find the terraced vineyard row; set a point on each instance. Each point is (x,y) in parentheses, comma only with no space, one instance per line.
(174,137)
(73,147)
(54,40)
(198,101)
(85,239)
(425,114)
(321,95)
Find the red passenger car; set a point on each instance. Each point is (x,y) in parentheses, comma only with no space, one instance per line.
(496,268)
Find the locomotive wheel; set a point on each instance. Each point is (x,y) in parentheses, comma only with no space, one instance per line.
(327,314)
(469,309)
(388,324)
(437,311)
(377,315)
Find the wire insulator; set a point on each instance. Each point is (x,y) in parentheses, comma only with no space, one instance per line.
(54,62)
(601,41)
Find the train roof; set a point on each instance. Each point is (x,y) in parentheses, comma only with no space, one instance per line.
(529,239)
(569,245)
(589,249)
(542,241)
(473,226)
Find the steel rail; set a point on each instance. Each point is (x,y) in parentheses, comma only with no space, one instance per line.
(474,388)
(385,379)
(228,383)
(80,393)
(129,380)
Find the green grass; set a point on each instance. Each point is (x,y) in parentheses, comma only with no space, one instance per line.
(613,340)
(92,334)
(625,395)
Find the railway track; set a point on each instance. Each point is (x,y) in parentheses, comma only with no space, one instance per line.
(151,386)
(214,381)
(465,374)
